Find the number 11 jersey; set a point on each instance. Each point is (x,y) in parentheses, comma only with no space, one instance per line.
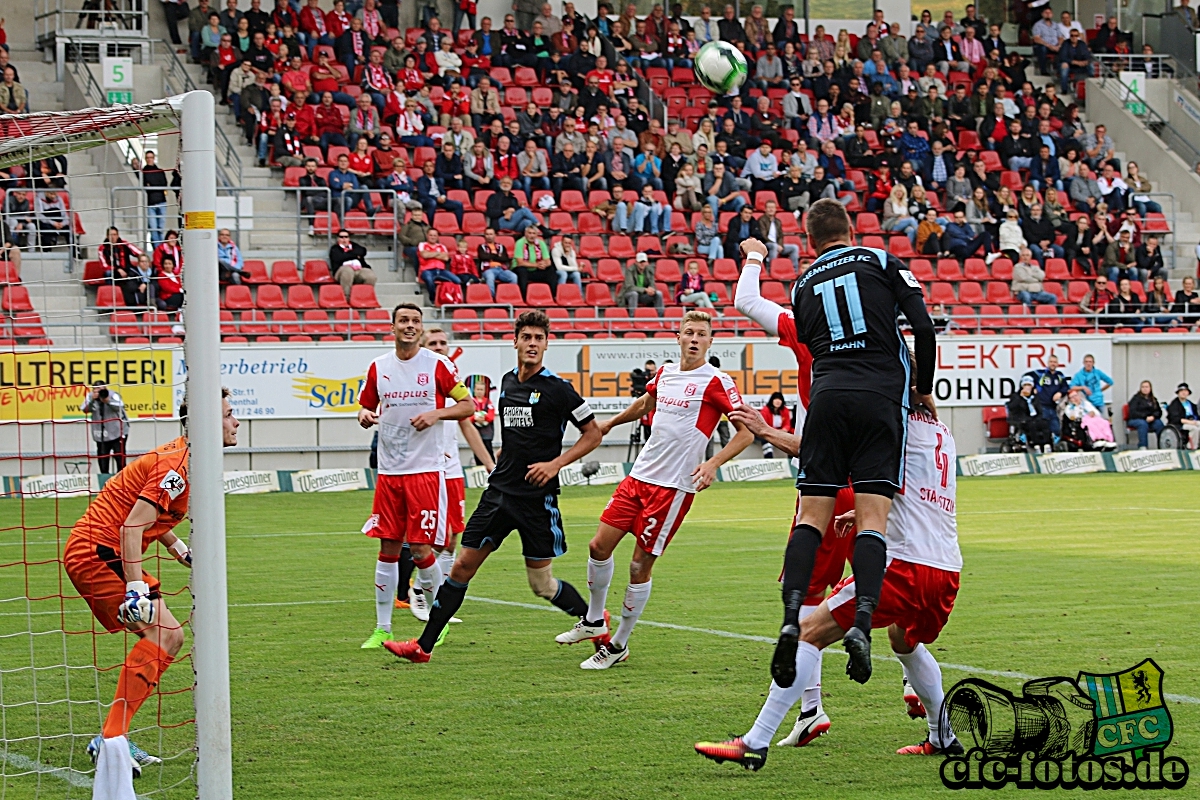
(845,306)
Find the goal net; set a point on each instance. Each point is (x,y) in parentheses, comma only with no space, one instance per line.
(92,372)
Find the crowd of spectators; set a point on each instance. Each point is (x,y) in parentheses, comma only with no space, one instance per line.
(940,134)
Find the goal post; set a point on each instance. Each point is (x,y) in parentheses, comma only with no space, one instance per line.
(210,622)
(39,750)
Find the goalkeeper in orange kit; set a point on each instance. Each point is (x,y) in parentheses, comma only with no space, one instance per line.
(103,558)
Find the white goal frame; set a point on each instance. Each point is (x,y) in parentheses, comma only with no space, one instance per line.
(41,135)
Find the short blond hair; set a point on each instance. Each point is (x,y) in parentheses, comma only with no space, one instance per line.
(696,316)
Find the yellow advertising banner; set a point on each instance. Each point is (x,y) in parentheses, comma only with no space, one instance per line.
(53,385)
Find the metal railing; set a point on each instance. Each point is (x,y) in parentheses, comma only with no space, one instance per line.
(58,17)
(1157,122)
(261,225)
(177,80)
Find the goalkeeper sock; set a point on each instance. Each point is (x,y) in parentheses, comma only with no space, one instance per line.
(144,665)
(429,575)
(798,560)
(406,571)
(870,560)
(449,600)
(387,578)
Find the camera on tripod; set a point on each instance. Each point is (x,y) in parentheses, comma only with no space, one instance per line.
(638,378)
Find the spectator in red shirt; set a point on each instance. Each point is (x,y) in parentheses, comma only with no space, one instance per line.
(383,158)
(375,80)
(463,265)
(331,126)
(777,415)
(225,60)
(294,78)
(361,163)
(313,27)
(306,120)
(506,165)
(337,20)
(268,125)
(410,76)
(603,75)
(456,103)
(325,78)
(474,65)
(433,258)
(168,283)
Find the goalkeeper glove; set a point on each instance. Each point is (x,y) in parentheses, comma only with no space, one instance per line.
(137,606)
(182,553)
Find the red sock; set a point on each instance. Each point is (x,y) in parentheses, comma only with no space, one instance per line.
(426,562)
(144,665)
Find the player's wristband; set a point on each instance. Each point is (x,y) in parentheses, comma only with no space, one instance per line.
(137,587)
(179,548)
(754,258)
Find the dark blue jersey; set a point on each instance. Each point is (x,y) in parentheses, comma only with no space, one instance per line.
(846,305)
(533,417)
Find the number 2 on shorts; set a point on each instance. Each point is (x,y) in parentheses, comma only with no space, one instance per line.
(827,290)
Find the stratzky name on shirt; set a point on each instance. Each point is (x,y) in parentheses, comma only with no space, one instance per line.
(518,417)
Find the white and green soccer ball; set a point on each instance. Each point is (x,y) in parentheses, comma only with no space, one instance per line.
(720,67)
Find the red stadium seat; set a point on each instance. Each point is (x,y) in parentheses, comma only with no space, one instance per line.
(609,270)
(975,269)
(478,294)
(998,293)
(538,295)
(317,272)
(361,296)
(316,323)
(509,294)
(597,295)
(569,296)
(301,297)
(725,269)
(331,296)
(941,292)
(921,269)
(971,293)
(948,270)
(236,297)
(255,271)
(284,273)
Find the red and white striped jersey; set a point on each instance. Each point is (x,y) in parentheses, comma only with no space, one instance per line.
(688,406)
(922,527)
(400,390)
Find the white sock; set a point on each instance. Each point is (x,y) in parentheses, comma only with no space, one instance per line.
(812,690)
(387,576)
(636,597)
(925,677)
(600,575)
(780,701)
(445,560)
(430,580)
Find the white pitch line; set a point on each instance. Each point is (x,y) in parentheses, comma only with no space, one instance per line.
(73,777)
(996,673)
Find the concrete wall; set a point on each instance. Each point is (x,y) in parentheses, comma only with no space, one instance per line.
(1172,173)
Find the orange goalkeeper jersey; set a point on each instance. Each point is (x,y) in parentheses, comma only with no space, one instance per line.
(159,478)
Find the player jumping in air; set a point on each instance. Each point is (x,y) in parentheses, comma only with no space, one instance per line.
(845,308)
(687,399)
(437,341)
(917,595)
(522,493)
(837,546)
(406,394)
(103,558)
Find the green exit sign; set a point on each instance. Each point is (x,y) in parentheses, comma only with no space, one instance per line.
(115,97)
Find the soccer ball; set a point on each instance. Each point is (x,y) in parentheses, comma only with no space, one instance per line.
(720,67)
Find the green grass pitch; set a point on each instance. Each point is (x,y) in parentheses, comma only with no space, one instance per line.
(1062,573)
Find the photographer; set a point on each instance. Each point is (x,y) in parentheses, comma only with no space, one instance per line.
(110,426)
(638,379)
